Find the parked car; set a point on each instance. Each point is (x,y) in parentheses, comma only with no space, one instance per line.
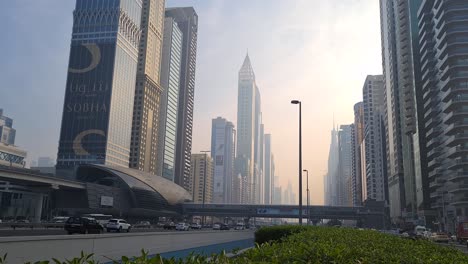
(143,224)
(195,226)
(440,237)
(182,227)
(118,225)
(224,227)
(217,227)
(170,226)
(82,225)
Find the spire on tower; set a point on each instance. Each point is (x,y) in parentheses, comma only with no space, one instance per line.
(246,71)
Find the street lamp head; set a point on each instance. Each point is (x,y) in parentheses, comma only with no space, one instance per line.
(305,170)
(295,102)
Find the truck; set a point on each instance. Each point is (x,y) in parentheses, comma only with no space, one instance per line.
(462,232)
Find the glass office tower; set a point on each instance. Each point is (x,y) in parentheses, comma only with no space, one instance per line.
(170,81)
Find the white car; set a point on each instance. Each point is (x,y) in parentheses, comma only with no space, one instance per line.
(182,227)
(216,227)
(239,227)
(118,225)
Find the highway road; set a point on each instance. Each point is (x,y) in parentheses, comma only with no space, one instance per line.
(107,247)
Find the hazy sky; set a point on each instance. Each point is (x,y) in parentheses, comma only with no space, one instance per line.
(317,51)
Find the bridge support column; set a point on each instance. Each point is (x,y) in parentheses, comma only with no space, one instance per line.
(38,208)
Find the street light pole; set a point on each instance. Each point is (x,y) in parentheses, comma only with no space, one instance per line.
(308,195)
(300,159)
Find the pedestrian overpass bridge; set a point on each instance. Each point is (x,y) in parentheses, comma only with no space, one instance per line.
(284,211)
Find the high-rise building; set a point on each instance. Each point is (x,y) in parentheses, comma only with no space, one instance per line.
(358,139)
(201,178)
(261,183)
(258,170)
(277,197)
(374,136)
(241,170)
(343,186)
(97,111)
(404,119)
(170,81)
(268,170)
(187,20)
(7,132)
(331,177)
(147,98)
(443,50)
(248,119)
(223,140)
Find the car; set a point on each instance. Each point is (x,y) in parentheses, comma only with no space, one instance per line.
(170,226)
(217,227)
(224,227)
(440,237)
(143,224)
(118,225)
(182,227)
(82,225)
(195,226)
(239,227)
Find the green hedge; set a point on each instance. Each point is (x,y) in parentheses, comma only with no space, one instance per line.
(343,245)
(276,233)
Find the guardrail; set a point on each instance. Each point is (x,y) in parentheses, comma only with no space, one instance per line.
(32,225)
(54,225)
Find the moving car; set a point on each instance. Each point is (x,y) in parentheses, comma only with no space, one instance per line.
(60,219)
(118,225)
(170,226)
(217,227)
(462,232)
(224,227)
(195,226)
(82,225)
(143,224)
(240,226)
(440,237)
(182,227)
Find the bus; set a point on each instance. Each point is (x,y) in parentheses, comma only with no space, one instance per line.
(100,218)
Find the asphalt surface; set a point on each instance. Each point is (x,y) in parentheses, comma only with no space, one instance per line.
(58,231)
(111,246)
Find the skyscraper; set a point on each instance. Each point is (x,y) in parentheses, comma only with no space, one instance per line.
(404,107)
(331,177)
(147,98)
(343,186)
(261,182)
(247,122)
(201,178)
(443,48)
(97,111)
(187,20)
(375,169)
(170,81)
(223,140)
(268,170)
(258,170)
(358,139)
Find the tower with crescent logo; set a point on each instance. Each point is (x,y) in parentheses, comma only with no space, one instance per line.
(102,69)
(146,111)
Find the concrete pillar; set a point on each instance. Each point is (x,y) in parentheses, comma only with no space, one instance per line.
(38,208)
